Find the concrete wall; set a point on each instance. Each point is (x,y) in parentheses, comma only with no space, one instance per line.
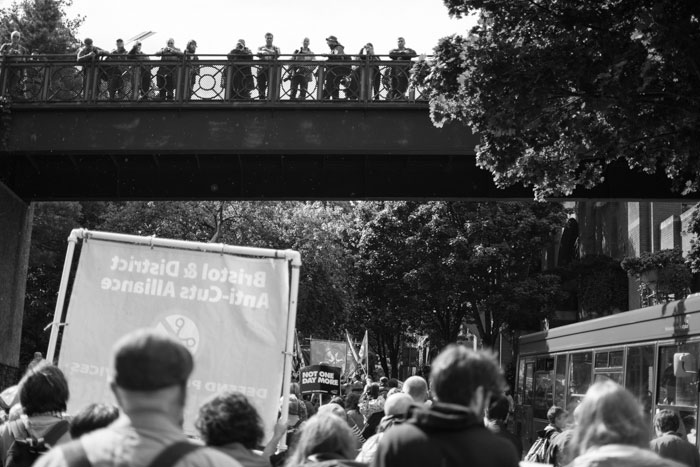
(15,235)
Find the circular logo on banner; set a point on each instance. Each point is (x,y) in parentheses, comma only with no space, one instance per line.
(181,328)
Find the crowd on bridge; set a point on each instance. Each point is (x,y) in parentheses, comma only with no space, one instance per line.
(460,418)
(180,71)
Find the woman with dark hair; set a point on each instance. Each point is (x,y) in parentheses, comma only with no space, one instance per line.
(43,394)
(325,440)
(91,418)
(353,410)
(230,423)
(611,431)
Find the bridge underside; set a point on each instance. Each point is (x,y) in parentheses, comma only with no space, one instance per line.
(257,152)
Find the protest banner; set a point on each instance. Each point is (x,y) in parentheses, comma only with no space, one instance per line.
(232,307)
(332,353)
(320,379)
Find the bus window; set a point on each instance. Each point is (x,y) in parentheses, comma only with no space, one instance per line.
(672,390)
(544,387)
(608,366)
(580,374)
(529,369)
(560,382)
(638,376)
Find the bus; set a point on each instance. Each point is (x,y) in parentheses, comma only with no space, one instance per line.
(652,351)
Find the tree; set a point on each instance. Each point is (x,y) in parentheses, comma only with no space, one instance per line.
(559,90)
(44,25)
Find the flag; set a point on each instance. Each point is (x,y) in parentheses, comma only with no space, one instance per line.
(353,359)
(298,361)
(364,353)
(352,347)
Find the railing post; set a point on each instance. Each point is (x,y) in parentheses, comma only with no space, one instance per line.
(135,83)
(275,83)
(364,80)
(180,83)
(227,82)
(3,75)
(321,81)
(45,81)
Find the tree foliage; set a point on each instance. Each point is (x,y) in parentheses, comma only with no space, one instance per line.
(44,25)
(559,90)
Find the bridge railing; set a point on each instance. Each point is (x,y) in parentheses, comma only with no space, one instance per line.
(208,78)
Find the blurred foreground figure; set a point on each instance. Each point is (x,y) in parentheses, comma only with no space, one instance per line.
(669,443)
(149,382)
(451,432)
(611,431)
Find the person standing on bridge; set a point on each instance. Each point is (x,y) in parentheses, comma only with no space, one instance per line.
(240,81)
(115,83)
(192,68)
(400,72)
(88,56)
(165,78)
(14,75)
(301,75)
(142,73)
(268,53)
(335,73)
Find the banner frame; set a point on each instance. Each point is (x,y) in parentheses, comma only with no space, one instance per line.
(291,256)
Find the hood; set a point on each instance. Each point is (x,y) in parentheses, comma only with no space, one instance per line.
(547,431)
(443,417)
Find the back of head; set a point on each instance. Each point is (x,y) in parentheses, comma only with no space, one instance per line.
(338,400)
(498,409)
(229,417)
(553,413)
(351,401)
(417,388)
(333,408)
(43,389)
(91,418)
(373,390)
(146,360)
(666,420)
(458,371)
(325,433)
(609,414)
(397,404)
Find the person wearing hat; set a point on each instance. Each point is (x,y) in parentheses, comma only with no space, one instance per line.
(149,382)
(335,73)
(240,78)
(142,73)
(399,73)
(114,73)
(266,52)
(88,55)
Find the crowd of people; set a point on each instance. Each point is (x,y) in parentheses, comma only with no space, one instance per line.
(460,418)
(236,78)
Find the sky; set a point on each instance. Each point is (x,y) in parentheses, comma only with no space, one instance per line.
(216,25)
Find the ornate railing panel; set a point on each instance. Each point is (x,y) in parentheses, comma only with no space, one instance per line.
(209,78)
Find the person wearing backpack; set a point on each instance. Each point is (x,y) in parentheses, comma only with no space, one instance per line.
(541,448)
(149,381)
(43,394)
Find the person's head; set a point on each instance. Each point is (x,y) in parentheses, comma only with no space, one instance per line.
(609,414)
(373,390)
(171,42)
(324,433)
(229,417)
(306,42)
(556,416)
(240,44)
(135,48)
(268,38)
(397,404)
(338,400)
(369,47)
(402,42)
(91,418)
(192,45)
(88,42)
(332,41)
(498,409)
(383,381)
(417,388)
(42,389)
(351,401)
(15,36)
(295,389)
(666,421)
(151,370)
(120,44)
(333,408)
(460,375)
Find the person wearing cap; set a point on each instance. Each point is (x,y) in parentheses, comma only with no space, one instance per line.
(192,69)
(335,73)
(239,77)
(149,381)
(115,81)
(165,78)
(399,73)
(266,52)
(88,55)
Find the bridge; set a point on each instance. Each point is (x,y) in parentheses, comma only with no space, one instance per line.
(137,128)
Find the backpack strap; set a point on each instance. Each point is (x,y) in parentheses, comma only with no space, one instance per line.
(173,453)
(56,432)
(75,455)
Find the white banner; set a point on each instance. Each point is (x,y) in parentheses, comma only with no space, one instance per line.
(230,311)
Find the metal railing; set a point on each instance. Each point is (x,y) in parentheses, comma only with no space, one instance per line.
(208,78)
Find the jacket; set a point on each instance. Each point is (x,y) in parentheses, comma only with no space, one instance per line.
(672,446)
(444,435)
(621,455)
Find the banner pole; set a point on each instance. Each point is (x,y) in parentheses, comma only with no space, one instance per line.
(58,311)
(291,324)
